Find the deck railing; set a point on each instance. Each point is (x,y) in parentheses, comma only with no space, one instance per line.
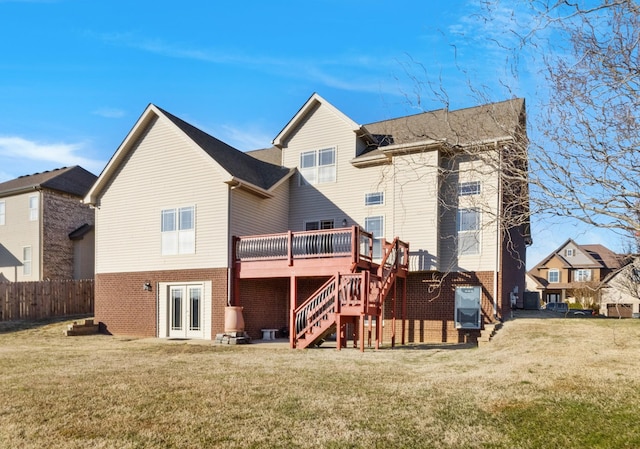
(291,245)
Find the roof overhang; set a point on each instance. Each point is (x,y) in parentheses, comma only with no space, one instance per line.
(237,183)
(149,114)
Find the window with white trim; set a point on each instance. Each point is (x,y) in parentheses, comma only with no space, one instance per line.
(469,188)
(318,166)
(553,276)
(178,230)
(468,232)
(3,211)
(374,198)
(317,225)
(468,311)
(33,207)
(375,225)
(569,252)
(583,275)
(26,261)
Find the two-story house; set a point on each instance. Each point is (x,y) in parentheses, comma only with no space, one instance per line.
(187,225)
(46,232)
(573,273)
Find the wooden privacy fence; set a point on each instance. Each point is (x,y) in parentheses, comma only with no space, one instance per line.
(45,299)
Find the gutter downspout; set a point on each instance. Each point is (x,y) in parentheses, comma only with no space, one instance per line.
(40,235)
(498,233)
(230,262)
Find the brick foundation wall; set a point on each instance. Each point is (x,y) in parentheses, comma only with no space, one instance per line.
(266,302)
(123,307)
(266,305)
(431,307)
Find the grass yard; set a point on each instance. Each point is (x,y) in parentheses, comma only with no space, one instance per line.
(541,383)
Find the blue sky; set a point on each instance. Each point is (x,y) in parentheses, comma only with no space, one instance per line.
(76,74)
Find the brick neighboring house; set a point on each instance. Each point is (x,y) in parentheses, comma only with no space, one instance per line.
(573,272)
(175,207)
(46,232)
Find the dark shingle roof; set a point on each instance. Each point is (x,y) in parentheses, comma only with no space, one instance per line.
(237,163)
(604,256)
(74,180)
(459,127)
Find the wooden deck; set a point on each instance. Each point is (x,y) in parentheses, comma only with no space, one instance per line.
(303,254)
(356,287)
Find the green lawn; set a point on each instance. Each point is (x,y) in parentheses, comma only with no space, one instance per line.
(542,383)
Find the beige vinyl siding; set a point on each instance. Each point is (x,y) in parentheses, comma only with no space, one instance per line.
(17,233)
(415,208)
(252,215)
(579,257)
(344,198)
(486,202)
(409,186)
(163,170)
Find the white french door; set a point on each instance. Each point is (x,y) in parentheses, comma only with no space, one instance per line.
(186,311)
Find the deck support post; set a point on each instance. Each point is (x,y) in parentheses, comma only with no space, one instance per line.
(404,308)
(293,294)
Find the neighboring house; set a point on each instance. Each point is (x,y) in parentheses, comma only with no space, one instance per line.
(573,273)
(46,232)
(175,207)
(620,292)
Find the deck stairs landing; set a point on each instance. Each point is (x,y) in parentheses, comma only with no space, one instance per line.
(349,298)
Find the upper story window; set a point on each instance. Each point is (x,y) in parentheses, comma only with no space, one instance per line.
(468,232)
(553,275)
(373,199)
(569,252)
(318,166)
(178,231)
(317,225)
(33,207)
(469,188)
(583,275)
(2,212)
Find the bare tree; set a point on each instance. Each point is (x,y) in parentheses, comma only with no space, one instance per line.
(587,163)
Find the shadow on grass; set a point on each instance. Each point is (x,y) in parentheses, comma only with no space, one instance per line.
(23,325)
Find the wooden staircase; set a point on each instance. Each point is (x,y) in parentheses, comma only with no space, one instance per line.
(349,298)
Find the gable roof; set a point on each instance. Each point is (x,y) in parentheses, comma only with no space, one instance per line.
(314,101)
(604,256)
(235,162)
(73,180)
(459,127)
(599,255)
(501,121)
(254,174)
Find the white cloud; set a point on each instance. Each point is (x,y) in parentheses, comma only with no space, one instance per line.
(349,72)
(28,153)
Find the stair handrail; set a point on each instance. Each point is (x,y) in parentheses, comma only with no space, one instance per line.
(321,303)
